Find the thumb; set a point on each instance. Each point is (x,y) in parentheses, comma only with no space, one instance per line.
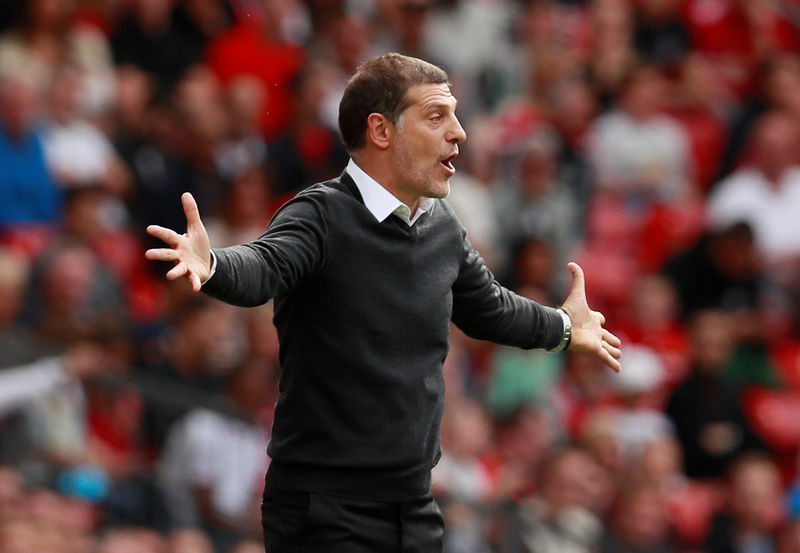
(191,211)
(578,280)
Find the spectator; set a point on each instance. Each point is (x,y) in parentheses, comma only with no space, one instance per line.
(49,36)
(702,105)
(73,296)
(653,321)
(474,203)
(28,193)
(244,148)
(17,344)
(578,392)
(720,271)
(465,437)
(639,419)
(212,464)
(257,46)
(708,418)
(24,384)
(482,59)
(309,150)
(205,345)
(156,159)
(406,23)
(523,440)
(561,519)
(199,104)
(739,34)
(750,520)
(572,107)
(766,193)
(536,204)
(640,524)
(77,153)
(778,78)
(612,56)
(246,211)
(639,152)
(151,36)
(660,33)
(460,481)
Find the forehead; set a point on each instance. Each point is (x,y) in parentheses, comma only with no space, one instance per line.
(430,94)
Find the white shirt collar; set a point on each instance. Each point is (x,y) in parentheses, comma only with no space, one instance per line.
(382,203)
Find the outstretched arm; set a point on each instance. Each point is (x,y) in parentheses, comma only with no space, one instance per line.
(190,251)
(588,334)
(292,249)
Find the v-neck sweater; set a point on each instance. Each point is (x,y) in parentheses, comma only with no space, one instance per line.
(363,311)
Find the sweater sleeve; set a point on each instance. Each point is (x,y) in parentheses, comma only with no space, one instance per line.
(293,248)
(484,309)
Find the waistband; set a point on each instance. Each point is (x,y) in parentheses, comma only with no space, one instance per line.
(378,484)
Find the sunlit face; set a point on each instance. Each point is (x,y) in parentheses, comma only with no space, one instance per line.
(426,142)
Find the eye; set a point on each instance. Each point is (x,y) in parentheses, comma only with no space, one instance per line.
(437,117)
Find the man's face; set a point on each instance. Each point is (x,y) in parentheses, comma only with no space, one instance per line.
(426,142)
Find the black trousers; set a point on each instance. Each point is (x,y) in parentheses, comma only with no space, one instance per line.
(311,522)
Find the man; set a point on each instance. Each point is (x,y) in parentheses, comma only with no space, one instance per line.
(766,194)
(28,195)
(367,272)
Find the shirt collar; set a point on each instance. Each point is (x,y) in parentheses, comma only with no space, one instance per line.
(382,203)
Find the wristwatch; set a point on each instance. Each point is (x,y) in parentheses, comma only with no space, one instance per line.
(567,336)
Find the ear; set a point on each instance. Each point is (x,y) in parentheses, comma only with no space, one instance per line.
(380,130)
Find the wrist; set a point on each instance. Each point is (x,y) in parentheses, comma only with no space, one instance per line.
(566,336)
(212,267)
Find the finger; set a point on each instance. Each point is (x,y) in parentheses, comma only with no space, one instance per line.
(191,211)
(177,271)
(161,254)
(611,339)
(609,360)
(616,353)
(195,280)
(601,317)
(167,235)
(578,279)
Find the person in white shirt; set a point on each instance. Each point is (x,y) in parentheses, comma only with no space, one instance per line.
(637,150)
(766,192)
(21,385)
(212,466)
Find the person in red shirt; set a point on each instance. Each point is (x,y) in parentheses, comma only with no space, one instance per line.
(257,48)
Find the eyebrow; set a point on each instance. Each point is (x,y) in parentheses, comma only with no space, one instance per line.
(437,104)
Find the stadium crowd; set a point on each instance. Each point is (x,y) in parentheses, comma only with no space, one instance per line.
(656,142)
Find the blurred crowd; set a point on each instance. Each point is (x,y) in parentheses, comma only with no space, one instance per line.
(656,142)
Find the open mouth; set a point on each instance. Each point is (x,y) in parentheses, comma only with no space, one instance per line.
(448,163)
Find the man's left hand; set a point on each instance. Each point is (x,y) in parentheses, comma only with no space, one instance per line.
(588,334)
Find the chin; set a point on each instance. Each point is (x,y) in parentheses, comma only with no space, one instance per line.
(441,191)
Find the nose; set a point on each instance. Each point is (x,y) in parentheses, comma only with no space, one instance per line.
(457,133)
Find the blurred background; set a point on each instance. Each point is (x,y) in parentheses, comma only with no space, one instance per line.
(656,142)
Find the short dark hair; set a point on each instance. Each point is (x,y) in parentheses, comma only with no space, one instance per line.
(379,85)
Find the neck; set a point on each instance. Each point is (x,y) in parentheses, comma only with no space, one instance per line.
(381,170)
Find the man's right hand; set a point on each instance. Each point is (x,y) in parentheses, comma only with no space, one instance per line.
(191,252)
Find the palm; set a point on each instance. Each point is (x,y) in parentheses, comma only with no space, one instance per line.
(588,334)
(191,251)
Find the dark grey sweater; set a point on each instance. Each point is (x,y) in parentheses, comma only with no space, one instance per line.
(363,310)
